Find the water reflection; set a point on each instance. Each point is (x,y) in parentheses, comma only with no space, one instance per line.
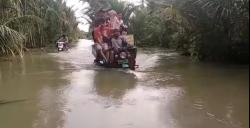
(213,94)
(34,80)
(113,84)
(65,90)
(53,108)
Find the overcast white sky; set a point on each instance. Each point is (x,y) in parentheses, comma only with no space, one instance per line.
(78,6)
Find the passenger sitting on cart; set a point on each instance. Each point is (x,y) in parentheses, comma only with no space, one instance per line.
(118,44)
(114,20)
(124,33)
(98,39)
(106,34)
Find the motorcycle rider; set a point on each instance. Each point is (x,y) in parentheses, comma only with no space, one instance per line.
(118,44)
(123,36)
(64,39)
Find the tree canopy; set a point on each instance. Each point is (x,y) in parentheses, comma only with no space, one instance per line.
(34,23)
(216,30)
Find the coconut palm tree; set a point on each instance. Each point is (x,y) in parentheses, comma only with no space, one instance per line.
(34,23)
(126,9)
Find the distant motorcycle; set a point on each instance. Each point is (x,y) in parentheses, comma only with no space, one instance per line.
(61,46)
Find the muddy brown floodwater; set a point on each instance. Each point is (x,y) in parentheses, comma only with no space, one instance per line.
(65,90)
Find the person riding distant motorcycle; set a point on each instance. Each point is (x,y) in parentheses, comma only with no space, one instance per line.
(63,39)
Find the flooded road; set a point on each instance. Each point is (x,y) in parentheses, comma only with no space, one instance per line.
(65,90)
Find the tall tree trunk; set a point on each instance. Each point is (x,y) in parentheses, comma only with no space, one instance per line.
(142,3)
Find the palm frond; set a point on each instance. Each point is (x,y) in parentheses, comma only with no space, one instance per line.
(11,41)
(26,18)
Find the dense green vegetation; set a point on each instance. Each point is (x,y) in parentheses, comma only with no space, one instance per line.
(126,9)
(216,30)
(34,23)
